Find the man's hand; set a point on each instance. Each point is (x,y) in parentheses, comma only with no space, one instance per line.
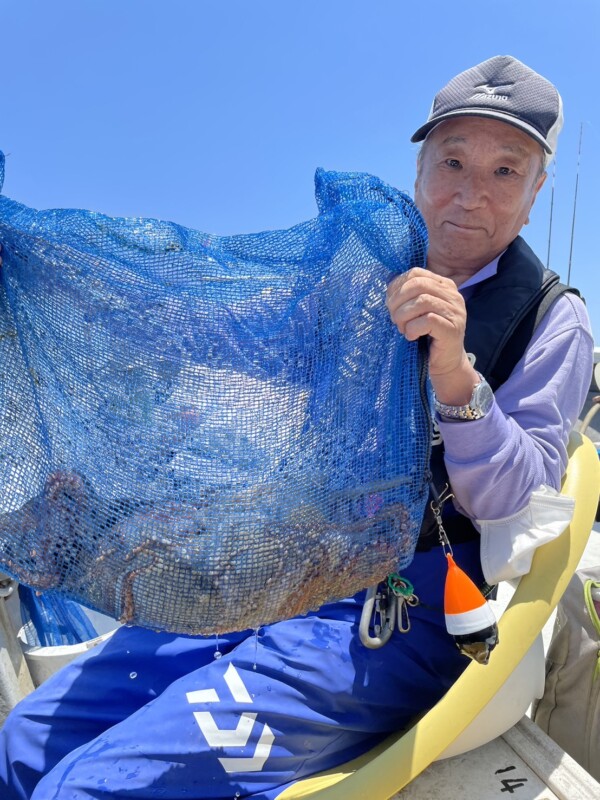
(422,303)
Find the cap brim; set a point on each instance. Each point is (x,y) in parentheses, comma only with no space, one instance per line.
(422,132)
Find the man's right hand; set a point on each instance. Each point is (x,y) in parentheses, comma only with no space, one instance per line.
(422,303)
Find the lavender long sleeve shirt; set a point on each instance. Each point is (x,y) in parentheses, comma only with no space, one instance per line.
(494,463)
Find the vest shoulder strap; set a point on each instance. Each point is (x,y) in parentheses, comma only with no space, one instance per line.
(521,331)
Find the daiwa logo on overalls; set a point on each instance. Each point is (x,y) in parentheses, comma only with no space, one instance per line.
(232,737)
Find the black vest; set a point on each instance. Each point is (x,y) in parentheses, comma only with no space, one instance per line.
(502,314)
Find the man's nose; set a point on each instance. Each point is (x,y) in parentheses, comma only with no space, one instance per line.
(473,191)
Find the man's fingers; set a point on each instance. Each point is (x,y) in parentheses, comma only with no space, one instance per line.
(432,324)
(409,309)
(434,308)
(418,282)
(415,328)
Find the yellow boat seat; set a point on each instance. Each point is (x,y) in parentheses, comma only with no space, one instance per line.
(390,766)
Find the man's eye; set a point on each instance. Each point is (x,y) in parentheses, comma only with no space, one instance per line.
(453,162)
(504,170)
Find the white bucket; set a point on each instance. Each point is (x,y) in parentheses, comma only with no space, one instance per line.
(45,661)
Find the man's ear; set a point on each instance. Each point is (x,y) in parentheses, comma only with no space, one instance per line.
(538,185)
(540,182)
(418,167)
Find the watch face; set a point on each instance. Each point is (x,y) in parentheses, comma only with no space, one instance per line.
(482,398)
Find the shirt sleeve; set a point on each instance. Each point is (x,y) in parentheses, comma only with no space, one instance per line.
(495,463)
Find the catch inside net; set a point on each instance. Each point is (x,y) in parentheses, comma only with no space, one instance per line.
(205,433)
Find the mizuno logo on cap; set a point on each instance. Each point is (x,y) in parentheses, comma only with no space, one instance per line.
(491,92)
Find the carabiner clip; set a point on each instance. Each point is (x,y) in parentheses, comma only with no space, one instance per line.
(404,592)
(378,602)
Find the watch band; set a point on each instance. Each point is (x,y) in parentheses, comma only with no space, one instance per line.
(478,406)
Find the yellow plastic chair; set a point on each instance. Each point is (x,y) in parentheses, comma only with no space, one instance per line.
(389,767)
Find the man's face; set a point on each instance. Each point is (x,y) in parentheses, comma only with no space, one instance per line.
(476,182)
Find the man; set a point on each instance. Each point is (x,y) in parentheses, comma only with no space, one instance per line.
(156,715)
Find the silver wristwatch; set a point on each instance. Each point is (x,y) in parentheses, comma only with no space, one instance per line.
(478,406)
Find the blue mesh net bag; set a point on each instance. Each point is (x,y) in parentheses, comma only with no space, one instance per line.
(207,433)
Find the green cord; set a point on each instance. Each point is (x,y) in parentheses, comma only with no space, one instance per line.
(400,586)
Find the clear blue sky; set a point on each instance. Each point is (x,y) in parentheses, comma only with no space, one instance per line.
(215,113)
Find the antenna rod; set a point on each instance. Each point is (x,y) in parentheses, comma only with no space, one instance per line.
(575,204)
(551,213)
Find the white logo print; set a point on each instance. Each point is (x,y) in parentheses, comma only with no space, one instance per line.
(232,737)
(491,92)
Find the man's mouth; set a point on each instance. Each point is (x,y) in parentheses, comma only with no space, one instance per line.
(464,226)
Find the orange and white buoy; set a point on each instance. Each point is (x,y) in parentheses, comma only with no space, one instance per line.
(469,617)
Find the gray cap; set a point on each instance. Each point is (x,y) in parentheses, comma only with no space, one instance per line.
(501,88)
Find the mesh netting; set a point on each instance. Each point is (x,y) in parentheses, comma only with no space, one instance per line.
(206,433)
